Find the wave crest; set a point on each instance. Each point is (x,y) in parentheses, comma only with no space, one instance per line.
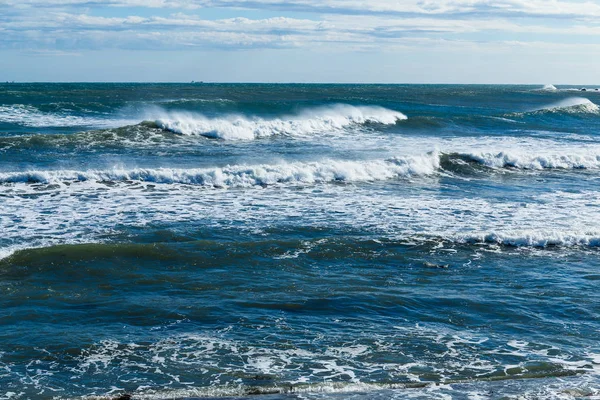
(533,239)
(245,176)
(321,119)
(529,161)
(571,105)
(299,173)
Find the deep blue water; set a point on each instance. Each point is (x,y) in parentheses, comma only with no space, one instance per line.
(299,241)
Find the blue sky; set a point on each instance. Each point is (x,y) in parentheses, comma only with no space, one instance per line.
(396,41)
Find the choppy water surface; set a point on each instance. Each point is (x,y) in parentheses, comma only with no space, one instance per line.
(299,241)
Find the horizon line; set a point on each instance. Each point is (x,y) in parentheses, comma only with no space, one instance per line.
(2,82)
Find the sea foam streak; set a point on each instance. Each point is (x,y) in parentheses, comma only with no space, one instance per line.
(246,176)
(315,120)
(30,116)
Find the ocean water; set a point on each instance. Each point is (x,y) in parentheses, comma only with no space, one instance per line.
(299,241)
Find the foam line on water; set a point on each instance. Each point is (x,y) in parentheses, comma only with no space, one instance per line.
(30,116)
(329,367)
(293,173)
(246,176)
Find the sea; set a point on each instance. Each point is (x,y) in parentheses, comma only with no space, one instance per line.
(299,241)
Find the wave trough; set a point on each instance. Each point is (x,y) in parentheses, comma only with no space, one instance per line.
(344,255)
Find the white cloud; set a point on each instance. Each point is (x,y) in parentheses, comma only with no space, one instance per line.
(70,25)
(557,8)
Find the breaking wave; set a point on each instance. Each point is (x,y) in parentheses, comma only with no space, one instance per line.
(552,88)
(321,119)
(533,239)
(572,105)
(245,176)
(527,161)
(299,173)
(549,88)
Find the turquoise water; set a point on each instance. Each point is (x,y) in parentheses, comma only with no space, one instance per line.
(299,241)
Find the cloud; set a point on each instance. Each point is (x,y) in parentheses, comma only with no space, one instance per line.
(51,53)
(73,25)
(555,8)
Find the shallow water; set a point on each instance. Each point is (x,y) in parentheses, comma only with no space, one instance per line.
(299,241)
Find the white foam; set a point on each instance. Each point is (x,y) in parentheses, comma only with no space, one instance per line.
(307,370)
(195,100)
(582,159)
(549,88)
(246,176)
(301,173)
(534,238)
(571,105)
(45,212)
(6,252)
(317,120)
(48,218)
(32,117)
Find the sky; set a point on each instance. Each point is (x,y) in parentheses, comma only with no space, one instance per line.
(376,41)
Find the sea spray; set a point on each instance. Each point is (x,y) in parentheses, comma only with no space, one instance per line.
(316,120)
(339,259)
(571,105)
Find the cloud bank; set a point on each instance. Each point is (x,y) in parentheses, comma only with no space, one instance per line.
(74,24)
(67,27)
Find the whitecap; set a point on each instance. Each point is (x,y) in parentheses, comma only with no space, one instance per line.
(310,121)
(26,115)
(526,160)
(293,173)
(571,105)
